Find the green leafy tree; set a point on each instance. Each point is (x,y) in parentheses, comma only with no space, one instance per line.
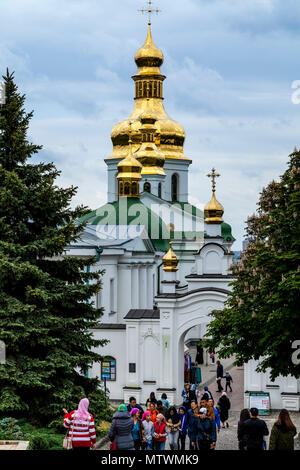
(46,314)
(261,315)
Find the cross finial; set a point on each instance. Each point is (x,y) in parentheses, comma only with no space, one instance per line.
(149,9)
(213,175)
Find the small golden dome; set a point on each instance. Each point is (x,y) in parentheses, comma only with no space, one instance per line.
(170,260)
(213,211)
(149,55)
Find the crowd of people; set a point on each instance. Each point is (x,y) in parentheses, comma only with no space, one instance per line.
(198,421)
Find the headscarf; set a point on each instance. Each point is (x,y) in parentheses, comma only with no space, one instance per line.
(134,411)
(147,413)
(160,416)
(82,412)
(206,388)
(122,407)
(224,394)
(175,417)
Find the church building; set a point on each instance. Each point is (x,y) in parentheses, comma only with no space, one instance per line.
(167,263)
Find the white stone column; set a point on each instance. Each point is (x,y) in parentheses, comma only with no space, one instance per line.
(143,287)
(135,286)
(124,291)
(149,287)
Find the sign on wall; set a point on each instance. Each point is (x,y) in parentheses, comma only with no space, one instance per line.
(261,401)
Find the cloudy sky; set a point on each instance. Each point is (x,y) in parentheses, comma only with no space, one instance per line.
(230,65)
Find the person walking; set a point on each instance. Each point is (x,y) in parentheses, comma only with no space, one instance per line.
(204,432)
(219,375)
(212,356)
(183,427)
(121,429)
(190,422)
(165,400)
(148,428)
(207,394)
(81,427)
(283,432)
(161,408)
(153,412)
(224,405)
(137,430)
(253,430)
(151,399)
(228,379)
(188,395)
(133,404)
(160,433)
(211,403)
(244,415)
(173,423)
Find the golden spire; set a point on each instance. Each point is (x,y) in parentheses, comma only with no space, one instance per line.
(213,211)
(148,154)
(170,260)
(129,174)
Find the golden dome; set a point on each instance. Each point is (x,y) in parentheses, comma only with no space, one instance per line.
(149,85)
(148,154)
(170,260)
(148,56)
(213,211)
(129,175)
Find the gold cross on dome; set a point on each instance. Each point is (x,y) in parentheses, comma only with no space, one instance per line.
(213,175)
(149,9)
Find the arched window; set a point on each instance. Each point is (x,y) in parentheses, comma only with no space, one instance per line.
(147,187)
(134,189)
(108,368)
(159,190)
(126,188)
(174,187)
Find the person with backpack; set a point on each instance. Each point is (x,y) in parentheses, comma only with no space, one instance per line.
(228,379)
(224,406)
(81,427)
(121,429)
(204,432)
(283,432)
(253,430)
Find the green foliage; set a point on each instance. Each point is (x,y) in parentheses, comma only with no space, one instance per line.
(261,316)
(9,429)
(46,315)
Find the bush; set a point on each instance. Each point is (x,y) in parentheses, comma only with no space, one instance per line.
(103,428)
(10,429)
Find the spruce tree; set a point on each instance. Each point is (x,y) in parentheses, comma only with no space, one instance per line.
(45,309)
(261,316)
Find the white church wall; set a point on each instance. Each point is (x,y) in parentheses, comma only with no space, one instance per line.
(114,348)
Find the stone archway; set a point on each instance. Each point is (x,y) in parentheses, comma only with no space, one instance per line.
(178,316)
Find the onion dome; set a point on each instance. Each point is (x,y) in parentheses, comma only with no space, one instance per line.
(213,211)
(149,86)
(129,175)
(148,154)
(170,260)
(149,57)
